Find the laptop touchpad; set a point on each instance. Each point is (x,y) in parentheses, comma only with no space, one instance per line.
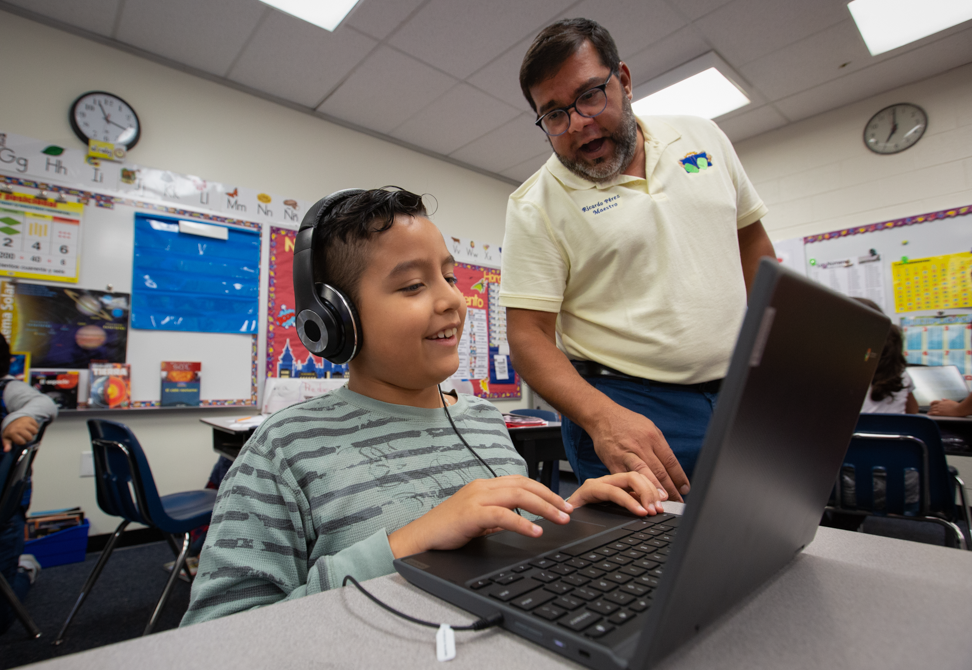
(554,536)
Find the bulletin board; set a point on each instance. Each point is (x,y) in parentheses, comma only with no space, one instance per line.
(229,361)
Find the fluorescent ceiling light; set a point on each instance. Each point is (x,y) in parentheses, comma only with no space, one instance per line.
(327,14)
(889,24)
(699,88)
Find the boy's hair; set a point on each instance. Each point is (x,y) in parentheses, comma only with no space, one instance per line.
(558,42)
(340,254)
(4,357)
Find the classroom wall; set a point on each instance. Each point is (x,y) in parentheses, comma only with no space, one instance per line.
(198,127)
(817,176)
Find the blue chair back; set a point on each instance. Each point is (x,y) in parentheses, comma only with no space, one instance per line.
(544,414)
(120,461)
(14,472)
(924,454)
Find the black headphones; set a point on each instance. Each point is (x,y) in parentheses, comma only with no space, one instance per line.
(327,322)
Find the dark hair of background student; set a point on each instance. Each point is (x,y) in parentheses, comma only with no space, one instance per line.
(340,245)
(558,42)
(887,377)
(4,357)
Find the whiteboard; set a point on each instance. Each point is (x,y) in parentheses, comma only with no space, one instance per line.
(228,360)
(920,240)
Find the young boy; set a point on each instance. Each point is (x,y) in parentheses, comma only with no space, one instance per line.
(347,482)
(22,410)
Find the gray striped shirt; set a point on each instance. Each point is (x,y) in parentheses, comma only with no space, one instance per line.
(320,485)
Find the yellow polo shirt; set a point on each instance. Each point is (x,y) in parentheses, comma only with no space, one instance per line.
(645,275)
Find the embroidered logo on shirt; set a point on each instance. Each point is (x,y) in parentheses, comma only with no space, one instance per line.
(602,206)
(696,162)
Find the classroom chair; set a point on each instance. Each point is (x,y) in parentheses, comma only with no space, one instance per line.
(550,469)
(895,467)
(126,489)
(15,468)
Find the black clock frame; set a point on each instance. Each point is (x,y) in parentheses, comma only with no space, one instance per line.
(80,133)
(878,113)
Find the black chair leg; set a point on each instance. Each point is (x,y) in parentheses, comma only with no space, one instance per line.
(179,564)
(19,609)
(92,578)
(175,552)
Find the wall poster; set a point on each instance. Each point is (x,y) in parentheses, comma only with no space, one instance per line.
(39,238)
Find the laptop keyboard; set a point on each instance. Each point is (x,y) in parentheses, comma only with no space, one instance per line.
(592,587)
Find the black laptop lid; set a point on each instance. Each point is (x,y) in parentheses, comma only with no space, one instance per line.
(801,367)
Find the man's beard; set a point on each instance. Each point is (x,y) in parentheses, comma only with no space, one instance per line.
(625,140)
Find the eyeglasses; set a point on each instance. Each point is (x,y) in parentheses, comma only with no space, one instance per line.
(589,104)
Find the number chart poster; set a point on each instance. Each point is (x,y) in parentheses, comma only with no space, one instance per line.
(936,282)
(64,327)
(939,340)
(483,349)
(286,356)
(39,238)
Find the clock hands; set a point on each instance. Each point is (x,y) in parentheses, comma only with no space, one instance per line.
(894,126)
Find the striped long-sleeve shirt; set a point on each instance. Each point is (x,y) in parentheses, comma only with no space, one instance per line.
(315,492)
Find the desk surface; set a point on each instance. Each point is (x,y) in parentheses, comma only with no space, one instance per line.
(849,601)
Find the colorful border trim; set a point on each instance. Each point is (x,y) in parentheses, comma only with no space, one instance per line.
(896,223)
(109,201)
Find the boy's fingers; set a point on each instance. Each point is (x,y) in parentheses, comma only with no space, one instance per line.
(534,487)
(500,518)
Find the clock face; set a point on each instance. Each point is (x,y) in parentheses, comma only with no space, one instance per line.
(106,117)
(895,128)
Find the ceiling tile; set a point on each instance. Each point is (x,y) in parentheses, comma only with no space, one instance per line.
(97,16)
(512,143)
(386,90)
(905,68)
(182,30)
(297,61)
(458,117)
(634,24)
(695,9)
(676,49)
(525,170)
(501,78)
(461,37)
(809,62)
(745,30)
(753,122)
(379,17)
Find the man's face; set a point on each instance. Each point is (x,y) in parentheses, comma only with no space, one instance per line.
(600,148)
(407,299)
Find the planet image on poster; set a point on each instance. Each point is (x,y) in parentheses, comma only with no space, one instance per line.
(88,305)
(90,336)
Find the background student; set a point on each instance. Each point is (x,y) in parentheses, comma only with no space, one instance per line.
(345,483)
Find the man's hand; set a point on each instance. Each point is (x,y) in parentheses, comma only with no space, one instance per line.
(19,431)
(632,490)
(479,508)
(628,442)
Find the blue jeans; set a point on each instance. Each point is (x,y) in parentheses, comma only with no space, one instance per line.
(681,413)
(11,546)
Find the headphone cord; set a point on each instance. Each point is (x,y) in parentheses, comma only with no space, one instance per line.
(480,624)
(452,423)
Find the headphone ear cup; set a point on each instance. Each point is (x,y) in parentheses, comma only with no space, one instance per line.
(348,326)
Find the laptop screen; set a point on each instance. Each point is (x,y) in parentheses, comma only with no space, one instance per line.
(937,383)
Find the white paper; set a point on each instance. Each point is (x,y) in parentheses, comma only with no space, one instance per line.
(502,372)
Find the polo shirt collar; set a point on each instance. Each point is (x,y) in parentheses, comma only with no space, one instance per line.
(658,135)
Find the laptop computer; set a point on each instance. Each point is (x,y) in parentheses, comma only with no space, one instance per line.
(943,382)
(611,590)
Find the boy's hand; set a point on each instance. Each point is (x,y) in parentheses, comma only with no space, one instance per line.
(479,508)
(631,490)
(19,431)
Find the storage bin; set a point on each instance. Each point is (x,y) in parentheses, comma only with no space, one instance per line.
(64,546)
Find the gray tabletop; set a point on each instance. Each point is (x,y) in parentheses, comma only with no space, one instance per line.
(849,601)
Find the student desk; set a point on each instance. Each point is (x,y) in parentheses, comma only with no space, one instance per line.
(536,444)
(849,601)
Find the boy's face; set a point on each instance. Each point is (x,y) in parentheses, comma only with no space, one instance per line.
(407,297)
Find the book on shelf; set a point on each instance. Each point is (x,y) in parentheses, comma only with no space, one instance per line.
(181,383)
(522,421)
(41,524)
(61,386)
(111,385)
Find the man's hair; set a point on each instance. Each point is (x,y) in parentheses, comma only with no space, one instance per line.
(558,42)
(4,357)
(340,254)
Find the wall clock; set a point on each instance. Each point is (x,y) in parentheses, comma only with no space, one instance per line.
(895,128)
(98,115)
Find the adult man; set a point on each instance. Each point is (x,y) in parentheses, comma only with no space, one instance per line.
(635,244)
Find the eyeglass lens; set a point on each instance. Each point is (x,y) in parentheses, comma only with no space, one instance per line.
(589,104)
